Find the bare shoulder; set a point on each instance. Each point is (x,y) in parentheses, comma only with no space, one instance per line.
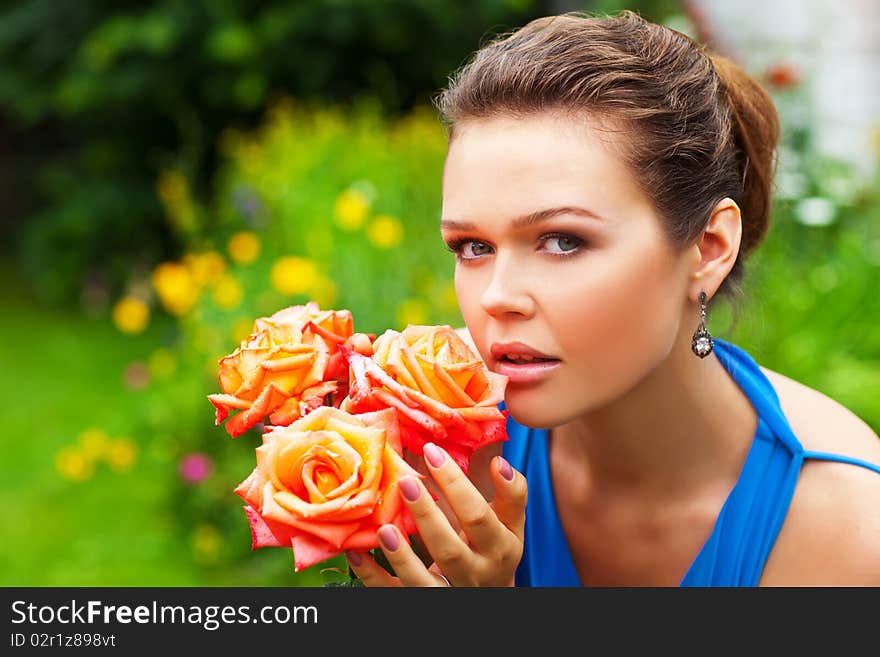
(831,535)
(823,424)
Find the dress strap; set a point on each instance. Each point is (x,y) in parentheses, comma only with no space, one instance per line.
(827,456)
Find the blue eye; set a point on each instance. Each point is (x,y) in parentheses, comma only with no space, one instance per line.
(565,244)
(469,249)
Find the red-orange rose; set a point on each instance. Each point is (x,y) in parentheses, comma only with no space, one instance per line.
(443,391)
(326,483)
(285,368)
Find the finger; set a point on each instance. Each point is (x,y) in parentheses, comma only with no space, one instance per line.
(438,536)
(406,563)
(511,495)
(368,571)
(478,520)
(441,578)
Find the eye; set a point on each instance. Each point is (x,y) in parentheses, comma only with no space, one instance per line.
(561,244)
(466,249)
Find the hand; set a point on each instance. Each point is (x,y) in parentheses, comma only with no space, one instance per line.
(484,552)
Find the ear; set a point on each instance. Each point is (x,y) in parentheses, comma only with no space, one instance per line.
(716,250)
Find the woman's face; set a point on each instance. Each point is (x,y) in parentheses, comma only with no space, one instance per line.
(558,250)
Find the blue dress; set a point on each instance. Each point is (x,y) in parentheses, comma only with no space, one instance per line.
(749,520)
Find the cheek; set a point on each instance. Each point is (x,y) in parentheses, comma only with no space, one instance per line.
(624,323)
(468,289)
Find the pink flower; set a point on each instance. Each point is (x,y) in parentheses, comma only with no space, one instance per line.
(195,467)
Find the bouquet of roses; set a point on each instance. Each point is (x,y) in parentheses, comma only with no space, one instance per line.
(343,409)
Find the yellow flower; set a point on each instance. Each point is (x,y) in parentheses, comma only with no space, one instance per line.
(228,292)
(72,464)
(244,247)
(412,311)
(385,231)
(206,267)
(93,443)
(176,287)
(131,315)
(292,275)
(206,542)
(351,209)
(162,363)
(120,454)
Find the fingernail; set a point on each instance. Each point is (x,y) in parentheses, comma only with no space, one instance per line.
(410,489)
(505,469)
(388,538)
(434,455)
(354,558)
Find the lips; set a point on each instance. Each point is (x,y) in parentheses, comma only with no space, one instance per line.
(522,363)
(516,350)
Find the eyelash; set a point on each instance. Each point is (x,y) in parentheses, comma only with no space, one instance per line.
(456,246)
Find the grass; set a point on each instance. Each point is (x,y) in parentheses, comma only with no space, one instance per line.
(63,374)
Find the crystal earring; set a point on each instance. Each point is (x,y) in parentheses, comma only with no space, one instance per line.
(702,342)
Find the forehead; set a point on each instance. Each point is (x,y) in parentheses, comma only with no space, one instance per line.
(507,166)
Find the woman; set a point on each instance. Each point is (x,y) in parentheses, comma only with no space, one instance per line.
(605,180)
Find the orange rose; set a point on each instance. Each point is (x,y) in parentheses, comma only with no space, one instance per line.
(326,483)
(443,391)
(285,368)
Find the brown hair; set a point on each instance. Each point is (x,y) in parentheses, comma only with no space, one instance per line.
(698,128)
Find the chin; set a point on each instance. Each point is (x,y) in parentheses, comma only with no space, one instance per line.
(534,411)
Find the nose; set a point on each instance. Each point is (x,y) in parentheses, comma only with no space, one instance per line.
(509,291)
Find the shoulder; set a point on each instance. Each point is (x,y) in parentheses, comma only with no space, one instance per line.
(823,424)
(831,535)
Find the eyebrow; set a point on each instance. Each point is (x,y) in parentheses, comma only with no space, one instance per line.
(528,219)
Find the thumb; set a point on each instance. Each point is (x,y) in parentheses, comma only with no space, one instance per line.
(511,494)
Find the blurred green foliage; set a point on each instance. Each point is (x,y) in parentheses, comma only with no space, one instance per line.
(97,98)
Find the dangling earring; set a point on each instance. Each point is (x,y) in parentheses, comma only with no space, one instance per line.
(702,342)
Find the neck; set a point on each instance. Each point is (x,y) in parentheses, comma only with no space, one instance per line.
(683,427)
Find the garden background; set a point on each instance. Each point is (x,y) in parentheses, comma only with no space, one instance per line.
(173,169)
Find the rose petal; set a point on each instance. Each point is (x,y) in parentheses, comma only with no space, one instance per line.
(221,411)
(481,413)
(459,397)
(327,335)
(285,414)
(266,533)
(309,550)
(416,416)
(261,407)
(289,363)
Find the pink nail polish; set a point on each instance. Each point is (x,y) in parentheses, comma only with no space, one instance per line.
(505,469)
(354,558)
(410,489)
(434,454)
(388,538)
